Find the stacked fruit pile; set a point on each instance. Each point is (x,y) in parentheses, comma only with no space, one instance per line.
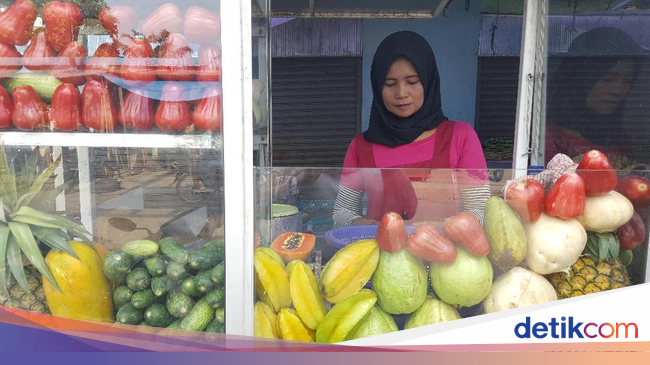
(163,285)
(145,77)
(534,247)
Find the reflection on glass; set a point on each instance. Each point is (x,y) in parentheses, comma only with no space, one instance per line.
(595,97)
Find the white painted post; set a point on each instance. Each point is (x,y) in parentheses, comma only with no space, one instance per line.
(238,165)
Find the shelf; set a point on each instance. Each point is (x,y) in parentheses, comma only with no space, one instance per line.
(58,139)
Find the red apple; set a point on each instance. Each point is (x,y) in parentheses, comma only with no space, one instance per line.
(637,189)
(598,174)
(632,234)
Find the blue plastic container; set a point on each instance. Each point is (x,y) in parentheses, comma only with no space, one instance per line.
(341,237)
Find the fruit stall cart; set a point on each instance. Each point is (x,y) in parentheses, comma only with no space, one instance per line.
(574,229)
(115,150)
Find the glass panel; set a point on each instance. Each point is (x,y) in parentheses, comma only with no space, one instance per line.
(127,99)
(444,235)
(597,93)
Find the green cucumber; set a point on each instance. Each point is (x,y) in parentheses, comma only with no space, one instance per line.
(155,265)
(174,250)
(141,248)
(219,273)
(157,315)
(189,287)
(143,299)
(215,327)
(220,314)
(144,323)
(122,295)
(138,279)
(129,314)
(117,265)
(215,297)
(161,285)
(208,256)
(176,271)
(204,281)
(199,317)
(179,304)
(44,85)
(176,325)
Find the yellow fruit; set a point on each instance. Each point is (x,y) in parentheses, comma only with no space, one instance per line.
(349,270)
(343,318)
(265,321)
(85,291)
(272,278)
(305,294)
(291,327)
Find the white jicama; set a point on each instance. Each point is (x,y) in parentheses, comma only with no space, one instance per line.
(518,288)
(554,244)
(606,213)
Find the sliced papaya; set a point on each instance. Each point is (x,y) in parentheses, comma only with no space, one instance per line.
(294,245)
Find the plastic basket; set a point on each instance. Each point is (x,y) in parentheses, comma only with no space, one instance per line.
(341,237)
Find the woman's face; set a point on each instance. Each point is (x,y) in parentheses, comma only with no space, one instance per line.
(403,93)
(608,93)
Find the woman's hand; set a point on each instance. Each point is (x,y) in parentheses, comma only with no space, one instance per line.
(364,222)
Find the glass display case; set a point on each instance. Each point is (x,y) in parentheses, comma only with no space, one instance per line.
(116,118)
(428,254)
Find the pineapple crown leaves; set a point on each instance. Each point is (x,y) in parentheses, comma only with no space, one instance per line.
(22,226)
(602,247)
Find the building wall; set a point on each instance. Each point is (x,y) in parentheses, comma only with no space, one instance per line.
(454,38)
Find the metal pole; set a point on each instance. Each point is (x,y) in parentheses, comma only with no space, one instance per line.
(238,165)
(541,72)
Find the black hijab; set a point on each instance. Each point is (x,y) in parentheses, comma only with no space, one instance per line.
(385,127)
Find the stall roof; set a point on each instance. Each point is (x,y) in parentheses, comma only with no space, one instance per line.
(358,8)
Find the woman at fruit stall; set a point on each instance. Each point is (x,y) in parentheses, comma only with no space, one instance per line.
(587,94)
(409,136)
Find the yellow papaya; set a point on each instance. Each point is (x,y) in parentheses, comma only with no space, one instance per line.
(85,291)
(292,328)
(305,294)
(272,278)
(265,321)
(344,317)
(349,270)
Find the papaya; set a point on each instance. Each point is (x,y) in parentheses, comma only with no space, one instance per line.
(85,291)
(305,295)
(294,246)
(290,327)
(101,250)
(349,270)
(508,244)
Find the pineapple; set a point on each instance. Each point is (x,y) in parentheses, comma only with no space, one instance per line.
(22,227)
(34,301)
(599,269)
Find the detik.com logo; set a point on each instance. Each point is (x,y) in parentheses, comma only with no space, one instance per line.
(571,329)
